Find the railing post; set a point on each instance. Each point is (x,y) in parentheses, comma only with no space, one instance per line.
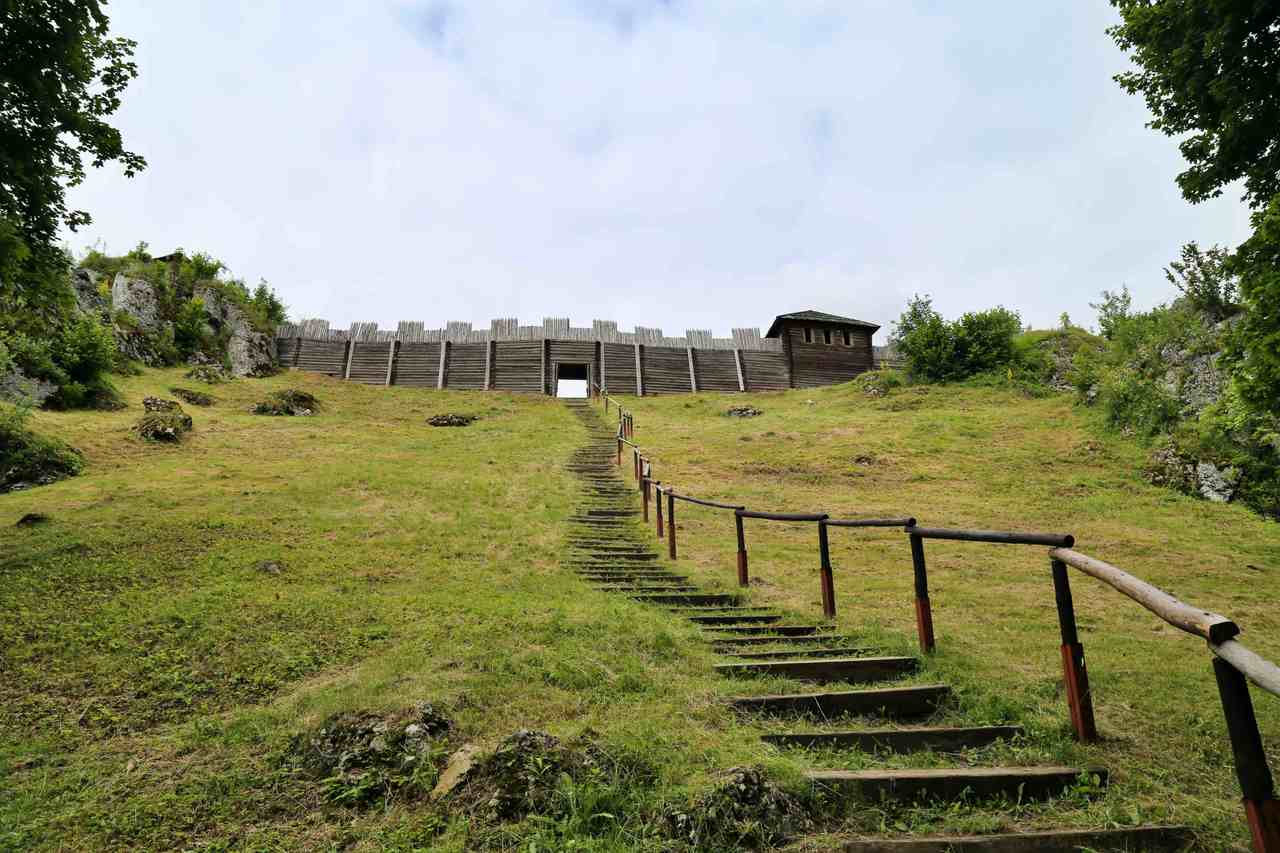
(743,577)
(828,582)
(644,470)
(619,449)
(671,524)
(1074,672)
(645,499)
(1261,808)
(924,615)
(635,460)
(658,507)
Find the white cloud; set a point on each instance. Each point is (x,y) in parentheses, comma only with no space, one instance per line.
(669,164)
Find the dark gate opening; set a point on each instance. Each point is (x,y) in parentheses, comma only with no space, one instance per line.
(571,380)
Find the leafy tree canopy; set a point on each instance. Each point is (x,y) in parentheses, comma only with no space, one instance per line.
(61,76)
(1209,71)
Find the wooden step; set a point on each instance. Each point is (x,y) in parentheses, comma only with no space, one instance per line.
(939,739)
(775,630)
(631,576)
(758,639)
(952,783)
(733,619)
(646,588)
(1138,839)
(709,598)
(914,701)
(826,669)
(803,652)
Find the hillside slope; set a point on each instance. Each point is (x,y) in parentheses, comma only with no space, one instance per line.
(188,611)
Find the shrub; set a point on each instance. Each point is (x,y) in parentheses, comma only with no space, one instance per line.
(28,459)
(939,351)
(1130,401)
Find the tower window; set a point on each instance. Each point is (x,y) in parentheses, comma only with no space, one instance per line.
(826,337)
(808,336)
(845,335)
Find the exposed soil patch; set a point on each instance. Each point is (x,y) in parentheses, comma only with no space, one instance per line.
(363,759)
(289,402)
(743,412)
(452,420)
(745,811)
(195,398)
(166,426)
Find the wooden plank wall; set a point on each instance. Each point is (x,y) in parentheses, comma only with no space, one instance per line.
(818,363)
(574,352)
(715,369)
(619,367)
(287,350)
(369,362)
(764,371)
(417,365)
(327,357)
(665,369)
(518,366)
(464,366)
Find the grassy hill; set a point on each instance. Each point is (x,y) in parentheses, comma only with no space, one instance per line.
(187,611)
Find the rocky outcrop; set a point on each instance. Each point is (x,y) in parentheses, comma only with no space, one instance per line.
(134,302)
(17,387)
(250,351)
(89,296)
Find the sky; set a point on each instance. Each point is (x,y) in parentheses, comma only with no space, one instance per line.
(667,163)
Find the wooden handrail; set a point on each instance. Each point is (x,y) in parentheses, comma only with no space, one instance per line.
(1250,664)
(1053,540)
(1213,627)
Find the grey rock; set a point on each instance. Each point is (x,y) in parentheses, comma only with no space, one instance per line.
(1216,484)
(1202,382)
(250,351)
(89,300)
(136,298)
(17,387)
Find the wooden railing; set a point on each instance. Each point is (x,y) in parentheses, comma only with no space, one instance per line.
(1234,665)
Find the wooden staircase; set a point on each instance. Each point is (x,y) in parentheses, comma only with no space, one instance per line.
(610,552)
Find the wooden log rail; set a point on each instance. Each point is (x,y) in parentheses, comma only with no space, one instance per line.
(1234,665)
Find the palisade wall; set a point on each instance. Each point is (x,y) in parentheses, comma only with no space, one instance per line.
(511,357)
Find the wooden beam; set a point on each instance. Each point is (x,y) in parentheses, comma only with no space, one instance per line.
(391,360)
(543,368)
(639,376)
(444,348)
(737,362)
(488,365)
(351,350)
(693,378)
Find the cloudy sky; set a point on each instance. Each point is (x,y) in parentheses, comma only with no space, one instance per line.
(679,164)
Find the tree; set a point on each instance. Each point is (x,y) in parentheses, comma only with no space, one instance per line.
(1206,280)
(61,76)
(1207,70)
(1113,310)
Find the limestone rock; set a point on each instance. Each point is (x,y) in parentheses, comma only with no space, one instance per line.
(136,299)
(455,772)
(250,351)
(89,299)
(17,387)
(1216,484)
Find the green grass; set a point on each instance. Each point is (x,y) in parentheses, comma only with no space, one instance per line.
(151,674)
(992,459)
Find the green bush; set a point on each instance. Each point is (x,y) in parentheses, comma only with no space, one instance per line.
(1131,401)
(941,351)
(28,459)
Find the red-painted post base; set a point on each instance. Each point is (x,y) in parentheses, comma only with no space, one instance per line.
(924,625)
(828,593)
(1079,700)
(658,506)
(744,578)
(645,500)
(1264,824)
